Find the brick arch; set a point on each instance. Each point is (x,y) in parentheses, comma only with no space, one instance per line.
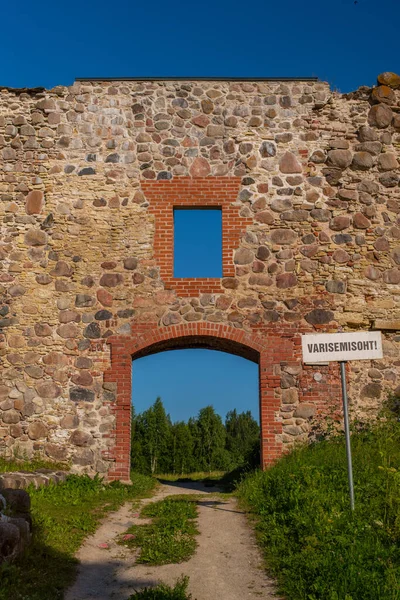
(268,349)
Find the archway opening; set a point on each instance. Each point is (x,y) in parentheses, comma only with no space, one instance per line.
(196,407)
(268,350)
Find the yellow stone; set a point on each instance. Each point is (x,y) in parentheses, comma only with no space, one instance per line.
(352,319)
(385,325)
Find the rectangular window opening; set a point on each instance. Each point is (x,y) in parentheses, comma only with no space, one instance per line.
(198,242)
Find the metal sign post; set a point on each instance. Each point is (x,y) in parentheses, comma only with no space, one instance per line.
(347,432)
(342,347)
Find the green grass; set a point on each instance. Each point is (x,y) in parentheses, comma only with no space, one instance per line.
(313,544)
(165,592)
(170,537)
(63,515)
(8,466)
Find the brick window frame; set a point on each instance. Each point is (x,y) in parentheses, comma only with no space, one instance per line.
(204,192)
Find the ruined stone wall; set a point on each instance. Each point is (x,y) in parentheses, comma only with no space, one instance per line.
(308,182)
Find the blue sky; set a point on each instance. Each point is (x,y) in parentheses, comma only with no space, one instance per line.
(197,243)
(187,380)
(50,42)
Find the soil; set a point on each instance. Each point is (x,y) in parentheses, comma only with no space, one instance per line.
(227,564)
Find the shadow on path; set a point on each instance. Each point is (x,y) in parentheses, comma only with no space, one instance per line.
(217,505)
(106,580)
(196,486)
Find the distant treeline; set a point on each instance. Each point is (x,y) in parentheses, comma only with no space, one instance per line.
(204,443)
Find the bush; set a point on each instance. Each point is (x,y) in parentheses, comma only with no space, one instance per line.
(314,545)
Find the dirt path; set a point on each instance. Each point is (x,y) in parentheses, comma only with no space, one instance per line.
(226,565)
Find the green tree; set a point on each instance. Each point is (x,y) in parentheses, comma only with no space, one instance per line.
(153,428)
(181,448)
(138,459)
(202,444)
(242,437)
(209,440)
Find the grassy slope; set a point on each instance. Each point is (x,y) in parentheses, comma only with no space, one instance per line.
(63,516)
(313,544)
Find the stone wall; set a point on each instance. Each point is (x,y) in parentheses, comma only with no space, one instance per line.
(308,183)
(20,480)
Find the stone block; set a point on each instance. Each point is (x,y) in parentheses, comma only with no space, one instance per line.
(305,410)
(387,325)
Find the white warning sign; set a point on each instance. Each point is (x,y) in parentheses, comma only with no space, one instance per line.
(328,347)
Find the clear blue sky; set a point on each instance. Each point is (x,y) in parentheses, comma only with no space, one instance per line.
(50,42)
(187,380)
(197,243)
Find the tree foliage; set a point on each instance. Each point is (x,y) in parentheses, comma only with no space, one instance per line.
(204,443)
(241,433)
(152,430)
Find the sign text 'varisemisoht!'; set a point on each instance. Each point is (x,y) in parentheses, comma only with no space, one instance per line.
(328,347)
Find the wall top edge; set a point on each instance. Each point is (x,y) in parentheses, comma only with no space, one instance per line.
(196,79)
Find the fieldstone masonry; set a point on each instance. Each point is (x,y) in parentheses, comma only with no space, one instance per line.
(308,184)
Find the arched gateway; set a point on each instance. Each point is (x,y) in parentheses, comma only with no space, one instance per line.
(306,183)
(269,351)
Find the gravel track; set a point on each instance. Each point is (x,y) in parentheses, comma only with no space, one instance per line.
(227,564)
